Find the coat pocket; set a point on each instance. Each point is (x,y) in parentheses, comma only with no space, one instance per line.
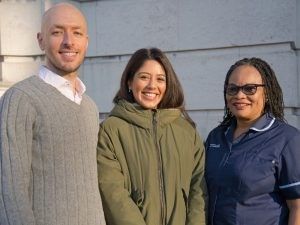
(138,197)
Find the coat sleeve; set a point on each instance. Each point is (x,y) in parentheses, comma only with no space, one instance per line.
(16,122)
(197,199)
(119,208)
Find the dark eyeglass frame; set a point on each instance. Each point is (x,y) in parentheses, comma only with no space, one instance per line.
(247,89)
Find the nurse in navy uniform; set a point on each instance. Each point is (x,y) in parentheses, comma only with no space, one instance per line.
(252,157)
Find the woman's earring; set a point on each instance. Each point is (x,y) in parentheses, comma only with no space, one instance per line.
(129,90)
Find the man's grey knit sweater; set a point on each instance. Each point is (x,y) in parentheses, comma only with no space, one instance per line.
(48,168)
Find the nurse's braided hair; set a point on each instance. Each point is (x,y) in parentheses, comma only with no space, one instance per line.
(274,98)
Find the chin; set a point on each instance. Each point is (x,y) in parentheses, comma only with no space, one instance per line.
(241,116)
(70,69)
(149,106)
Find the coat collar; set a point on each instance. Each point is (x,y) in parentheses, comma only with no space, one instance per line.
(135,114)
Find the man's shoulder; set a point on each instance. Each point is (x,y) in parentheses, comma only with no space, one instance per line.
(27,83)
(20,86)
(23,90)
(89,100)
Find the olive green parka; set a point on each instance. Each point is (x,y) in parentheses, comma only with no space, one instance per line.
(151,168)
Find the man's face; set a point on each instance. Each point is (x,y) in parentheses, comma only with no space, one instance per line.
(64,39)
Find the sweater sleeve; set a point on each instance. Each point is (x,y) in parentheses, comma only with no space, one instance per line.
(118,206)
(16,122)
(197,199)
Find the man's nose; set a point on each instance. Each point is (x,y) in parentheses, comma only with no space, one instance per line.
(68,39)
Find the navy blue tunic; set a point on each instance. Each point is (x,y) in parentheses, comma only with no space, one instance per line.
(250,179)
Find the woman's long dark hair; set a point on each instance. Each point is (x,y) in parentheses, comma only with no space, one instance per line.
(173,97)
(273,94)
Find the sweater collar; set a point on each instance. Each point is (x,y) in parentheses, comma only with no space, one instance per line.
(60,82)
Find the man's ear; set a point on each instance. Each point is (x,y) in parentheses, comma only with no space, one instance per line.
(87,42)
(40,40)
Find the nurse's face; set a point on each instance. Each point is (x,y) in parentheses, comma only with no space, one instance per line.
(245,103)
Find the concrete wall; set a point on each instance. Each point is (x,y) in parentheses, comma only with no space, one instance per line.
(201,38)
(19,52)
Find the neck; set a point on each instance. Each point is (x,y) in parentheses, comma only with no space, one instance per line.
(72,78)
(242,126)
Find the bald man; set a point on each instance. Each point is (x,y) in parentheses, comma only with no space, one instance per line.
(49,126)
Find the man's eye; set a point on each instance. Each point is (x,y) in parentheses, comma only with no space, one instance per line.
(78,33)
(56,33)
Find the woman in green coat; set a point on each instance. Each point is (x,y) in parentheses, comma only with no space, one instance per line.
(150,156)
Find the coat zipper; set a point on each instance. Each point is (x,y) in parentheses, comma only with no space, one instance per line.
(160,170)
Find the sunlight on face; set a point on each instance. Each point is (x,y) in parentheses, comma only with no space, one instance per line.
(64,39)
(149,84)
(242,106)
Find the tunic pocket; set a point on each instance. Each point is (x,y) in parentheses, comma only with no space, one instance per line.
(258,177)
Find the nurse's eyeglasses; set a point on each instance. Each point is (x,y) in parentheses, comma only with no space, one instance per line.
(247,89)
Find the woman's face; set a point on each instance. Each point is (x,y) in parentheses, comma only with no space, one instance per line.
(149,84)
(247,106)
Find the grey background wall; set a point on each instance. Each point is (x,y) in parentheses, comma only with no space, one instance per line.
(202,38)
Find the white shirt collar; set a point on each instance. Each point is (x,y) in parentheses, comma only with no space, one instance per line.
(62,84)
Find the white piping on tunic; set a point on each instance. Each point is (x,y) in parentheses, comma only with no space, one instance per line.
(266,128)
(289,185)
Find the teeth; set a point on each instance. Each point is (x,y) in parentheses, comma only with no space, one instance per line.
(239,105)
(69,53)
(150,94)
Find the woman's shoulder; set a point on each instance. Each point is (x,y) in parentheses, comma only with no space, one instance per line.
(182,123)
(286,129)
(112,122)
(219,129)
(184,129)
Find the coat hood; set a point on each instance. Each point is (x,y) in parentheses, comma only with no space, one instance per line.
(135,114)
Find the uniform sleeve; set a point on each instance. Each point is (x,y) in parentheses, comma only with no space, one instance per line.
(118,206)
(16,122)
(197,200)
(289,180)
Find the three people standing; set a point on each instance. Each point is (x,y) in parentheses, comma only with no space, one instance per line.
(150,156)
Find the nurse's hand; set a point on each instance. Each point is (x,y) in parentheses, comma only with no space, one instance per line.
(294,207)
